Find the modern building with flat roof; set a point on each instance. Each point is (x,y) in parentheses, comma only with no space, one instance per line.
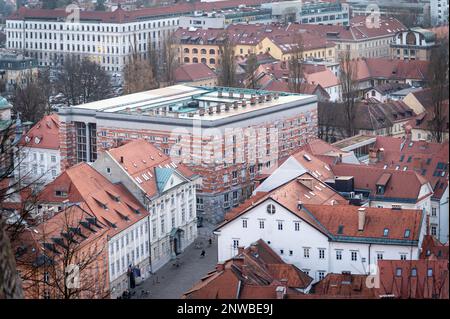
(226,135)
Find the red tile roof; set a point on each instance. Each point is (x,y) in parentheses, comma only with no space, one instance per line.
(301,188)
(255,273)
(391,69)
(376,220)
(343,286)
(398,281)
(428,159)
(432,248)
(193,72)
(139,157)
(122,16)
(368,177)
(44,134)
(111,203)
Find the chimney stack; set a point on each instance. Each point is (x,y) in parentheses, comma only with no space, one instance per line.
(361,218)
(281,292)
(372,156)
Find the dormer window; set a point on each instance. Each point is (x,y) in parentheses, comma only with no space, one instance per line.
(386,232)
(380,190)
(27,139)
(60,193)
(407,233)
(37,140)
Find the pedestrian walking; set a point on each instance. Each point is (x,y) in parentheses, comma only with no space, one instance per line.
(203,253)
(210,241)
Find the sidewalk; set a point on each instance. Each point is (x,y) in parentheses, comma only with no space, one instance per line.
(171,282)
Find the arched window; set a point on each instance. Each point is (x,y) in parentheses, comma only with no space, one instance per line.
(203,60)
(212,51)
(203,51)
(186,60)
(194,60)
(271,209)
(195,51)
(212,61)
(186,50)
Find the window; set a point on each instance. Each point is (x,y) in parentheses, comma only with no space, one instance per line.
(235,243)
(261,224)
(296,226)
(433,230)
(281,251)
(354,255)
(386,232)
(414,272)
(46,277)
(291,252)
(244,223)
(402,256)
(430,272)
(321,253)
(398,272)
(379,256)
(433,211)
(407,233)
(271,209)
(321,274)
(338,254)
(305,252)
(280,225)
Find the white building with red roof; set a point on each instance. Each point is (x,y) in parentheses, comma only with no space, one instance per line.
(39,158)
(166,190)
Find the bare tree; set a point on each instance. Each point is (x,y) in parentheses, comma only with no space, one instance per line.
(296,76)
(349,88)
(250,70)
(30,100)
(82,81)
(154,58)
(438,83)
(69,257)
(169,60)
(227,68)
(138,74)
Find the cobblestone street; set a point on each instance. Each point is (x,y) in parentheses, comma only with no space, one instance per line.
(170,282)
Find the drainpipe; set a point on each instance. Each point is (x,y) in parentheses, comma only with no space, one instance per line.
(370,245)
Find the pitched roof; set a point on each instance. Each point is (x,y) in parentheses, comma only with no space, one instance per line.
(44,134)
(193,72)
(343,286)
(305,188)
(140,159)
(111,203)
(255,273)
(325,78)
(416,279)
(432,248)
(369,177)
(391,69)
(428,159)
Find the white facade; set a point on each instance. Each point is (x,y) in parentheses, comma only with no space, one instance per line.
(439,12)
(38,165)
(173,214)
(109,44)
(130,247)
(439,216)
(303,245)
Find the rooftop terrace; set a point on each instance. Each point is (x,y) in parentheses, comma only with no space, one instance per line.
(182,101)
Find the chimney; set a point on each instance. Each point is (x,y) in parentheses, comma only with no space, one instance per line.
(281,292)
(372,156)
(218,108)
(340,158)
(220,267)
(261,99)
(236,104)
(240,250)
(380,154)
(253,100)
(299,205)
(361,218)
(121,159)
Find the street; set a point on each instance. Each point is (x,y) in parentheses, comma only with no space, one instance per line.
(170,282)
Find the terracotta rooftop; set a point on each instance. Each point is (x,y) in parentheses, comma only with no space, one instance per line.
(112,204)
(255,273)
(428,159)
(433,249)
(394,181)
(193,72)
(391,69)
(343,286)
(414,279)
(44,134)
(146,165)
